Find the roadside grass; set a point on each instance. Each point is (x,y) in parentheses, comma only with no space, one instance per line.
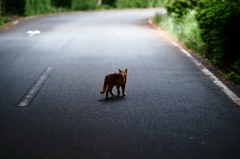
(188,32)
(4,20)
(104,7)
(237,64)
(38,11)
(231,76)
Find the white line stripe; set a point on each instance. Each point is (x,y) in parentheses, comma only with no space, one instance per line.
(215,80)
(175,44)
(32,92)
(15,22)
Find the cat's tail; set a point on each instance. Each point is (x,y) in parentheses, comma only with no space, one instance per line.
(104,86)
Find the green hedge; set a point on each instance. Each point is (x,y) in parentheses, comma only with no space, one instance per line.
(84,4)
(219,22)
(138,3)
(33,7)
(179,8)
(218,25)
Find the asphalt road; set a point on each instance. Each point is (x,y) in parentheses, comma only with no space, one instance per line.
(172,109)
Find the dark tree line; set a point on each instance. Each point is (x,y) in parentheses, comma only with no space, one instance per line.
(12,7)
(24,7)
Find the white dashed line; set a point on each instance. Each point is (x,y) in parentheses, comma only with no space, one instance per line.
(32,92)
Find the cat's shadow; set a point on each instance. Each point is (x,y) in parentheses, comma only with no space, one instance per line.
(113,98)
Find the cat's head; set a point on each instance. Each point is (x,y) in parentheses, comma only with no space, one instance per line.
(123,71)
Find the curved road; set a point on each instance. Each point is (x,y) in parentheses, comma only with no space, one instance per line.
(172,109)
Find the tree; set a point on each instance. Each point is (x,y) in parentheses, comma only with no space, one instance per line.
(3,7)
(61,3)
(99,3)
(0,7)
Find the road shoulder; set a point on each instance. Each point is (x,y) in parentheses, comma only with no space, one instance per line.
(171,39)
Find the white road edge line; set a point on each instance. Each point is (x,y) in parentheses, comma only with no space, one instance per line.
(215,80)
(15,22)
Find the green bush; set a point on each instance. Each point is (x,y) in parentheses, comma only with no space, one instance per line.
(34,7)
(178,8)
(220,28)
(237,64)
(231,76)
(84,4)
(131,4)
(138,3)
(186,29)
(190,33)
(218,21)
(104,7)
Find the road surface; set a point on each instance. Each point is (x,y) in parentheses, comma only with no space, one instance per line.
(52,70)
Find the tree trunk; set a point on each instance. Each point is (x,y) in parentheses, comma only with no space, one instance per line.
(3,7)
(99,2)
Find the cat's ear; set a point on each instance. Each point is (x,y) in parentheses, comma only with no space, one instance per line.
(126,70)
(119,70)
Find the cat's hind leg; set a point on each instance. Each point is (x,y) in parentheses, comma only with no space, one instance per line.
(107,94)
(123,90)
(112,93)
(110,90)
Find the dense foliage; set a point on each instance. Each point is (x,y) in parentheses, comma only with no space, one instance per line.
(84,4)
(62,3)
(14,7)
(31,7)
(179,8)
(138,3)
(215,24)
(212,28)
(109,2)
(219,22)
(37,7)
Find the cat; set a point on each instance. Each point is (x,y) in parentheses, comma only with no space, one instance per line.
(115,79)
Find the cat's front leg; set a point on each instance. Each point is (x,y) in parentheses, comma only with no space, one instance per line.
(118,91)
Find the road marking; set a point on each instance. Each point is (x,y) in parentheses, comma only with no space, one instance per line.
(15,22)
(32,92)
(150,21)
(215,80)
(32,33)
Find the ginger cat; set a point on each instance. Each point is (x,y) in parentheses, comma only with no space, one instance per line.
(115,79)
